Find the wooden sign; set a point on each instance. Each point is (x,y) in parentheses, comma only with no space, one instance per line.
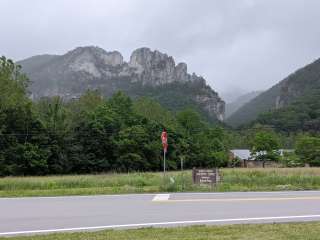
(205,176)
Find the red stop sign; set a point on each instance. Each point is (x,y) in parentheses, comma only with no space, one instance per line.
(164,139)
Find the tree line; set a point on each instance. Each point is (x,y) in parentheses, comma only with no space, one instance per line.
(93,134)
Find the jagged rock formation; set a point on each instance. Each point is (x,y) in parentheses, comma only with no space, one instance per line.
(71,74)
(156,68)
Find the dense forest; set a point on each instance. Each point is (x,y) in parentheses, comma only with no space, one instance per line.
(93,134)
(301,115)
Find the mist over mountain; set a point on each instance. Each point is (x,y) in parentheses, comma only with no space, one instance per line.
(292,103)
(233,106)
(147,73)
(232,93)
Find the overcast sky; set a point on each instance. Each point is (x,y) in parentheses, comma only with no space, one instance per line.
(234,44)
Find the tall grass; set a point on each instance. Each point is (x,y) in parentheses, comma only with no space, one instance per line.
(270,179)
(232,180)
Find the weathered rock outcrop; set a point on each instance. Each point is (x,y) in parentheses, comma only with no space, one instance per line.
(85,68)
(156,68)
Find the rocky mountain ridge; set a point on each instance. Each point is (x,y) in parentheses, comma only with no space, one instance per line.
(83,68)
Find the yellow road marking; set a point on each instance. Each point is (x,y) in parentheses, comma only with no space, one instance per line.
(241,199)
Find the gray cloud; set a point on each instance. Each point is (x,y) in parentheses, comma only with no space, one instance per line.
(234,44)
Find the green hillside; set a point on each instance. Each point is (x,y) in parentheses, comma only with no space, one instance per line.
(302,114)
(250,111)
(292,103)
(233,106)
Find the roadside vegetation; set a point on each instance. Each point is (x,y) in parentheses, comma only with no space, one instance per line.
(232,180)
(292,231)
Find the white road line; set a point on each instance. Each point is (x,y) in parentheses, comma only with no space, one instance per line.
(161,197)
(151,194)
(139,225)
(248,193)
(78,196)
(241,199)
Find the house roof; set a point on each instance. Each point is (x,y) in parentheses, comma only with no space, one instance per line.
(241,153)
(245,154)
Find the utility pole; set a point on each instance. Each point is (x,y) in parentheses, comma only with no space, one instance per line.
(182,179)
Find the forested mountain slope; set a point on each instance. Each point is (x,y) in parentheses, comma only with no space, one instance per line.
(239,102)
(294,99)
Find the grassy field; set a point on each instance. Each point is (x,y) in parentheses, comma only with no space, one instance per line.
(293,231)
(233,180)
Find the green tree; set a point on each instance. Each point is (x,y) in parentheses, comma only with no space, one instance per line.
(208,149)
(93,148)
(55,119)
(26,159)
(291,159)
(123,106)
(264,146)
(190,121)
(153,111)
(20,130)
(13,85)
(308,149)
(81,108)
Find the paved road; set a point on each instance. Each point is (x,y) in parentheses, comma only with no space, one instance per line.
(44,215)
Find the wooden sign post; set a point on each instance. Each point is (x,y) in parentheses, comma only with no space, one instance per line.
(205,176)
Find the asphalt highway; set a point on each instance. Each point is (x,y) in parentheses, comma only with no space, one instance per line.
(34,215)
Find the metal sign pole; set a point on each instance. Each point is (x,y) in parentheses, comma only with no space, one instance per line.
(164,162)
(182,179)
(164,139)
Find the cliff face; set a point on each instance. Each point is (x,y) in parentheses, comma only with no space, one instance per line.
(71,74)
(156,68)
